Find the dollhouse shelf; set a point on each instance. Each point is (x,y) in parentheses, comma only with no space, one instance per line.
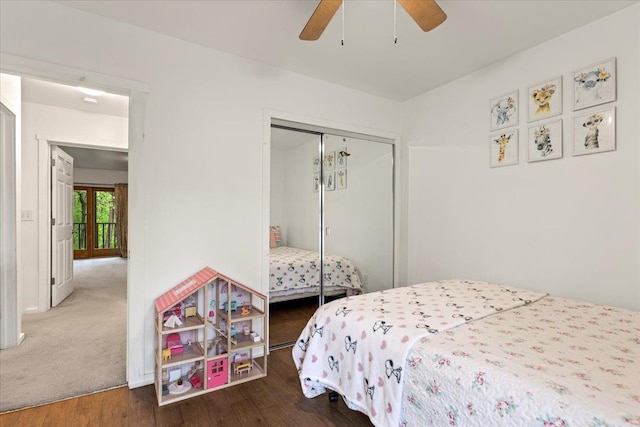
(202,351)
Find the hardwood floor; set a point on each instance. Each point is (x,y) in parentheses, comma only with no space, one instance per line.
(287,319)
(276,400)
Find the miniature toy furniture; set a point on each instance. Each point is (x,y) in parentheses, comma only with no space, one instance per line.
(193,356)
(175,344)
(195,381)
(242,367)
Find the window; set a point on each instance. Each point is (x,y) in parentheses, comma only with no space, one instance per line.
(94,222)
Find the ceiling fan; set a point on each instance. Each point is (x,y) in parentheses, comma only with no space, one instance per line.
(426,13)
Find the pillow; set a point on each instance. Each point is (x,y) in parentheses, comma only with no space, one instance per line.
(275,237)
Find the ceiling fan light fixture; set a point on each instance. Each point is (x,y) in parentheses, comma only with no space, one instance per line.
(426,13)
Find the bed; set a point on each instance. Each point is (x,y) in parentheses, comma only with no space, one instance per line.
(294,273)
(474,354)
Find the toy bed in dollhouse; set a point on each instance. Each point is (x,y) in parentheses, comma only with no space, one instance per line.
(474,353)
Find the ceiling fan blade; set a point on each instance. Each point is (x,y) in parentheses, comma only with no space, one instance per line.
(320,19)
(426,13)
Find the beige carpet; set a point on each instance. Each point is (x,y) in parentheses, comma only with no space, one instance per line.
(76,348)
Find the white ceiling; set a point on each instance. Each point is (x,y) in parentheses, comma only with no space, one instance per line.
(475,34)
(59,95)
(90,158)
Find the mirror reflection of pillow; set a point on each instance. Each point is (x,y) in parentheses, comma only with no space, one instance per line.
(275,237)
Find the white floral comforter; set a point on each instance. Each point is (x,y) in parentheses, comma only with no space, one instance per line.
(294,271)
(557,362)
(357,345)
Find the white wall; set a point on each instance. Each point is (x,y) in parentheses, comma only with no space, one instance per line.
(62,125)
(278,214)
(11,97)
(302,203)
(197,193)
(97,177)
(570,226)
(360,217)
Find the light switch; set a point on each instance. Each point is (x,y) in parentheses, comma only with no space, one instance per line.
(27,215)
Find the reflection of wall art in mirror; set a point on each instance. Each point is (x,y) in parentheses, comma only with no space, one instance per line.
(504,110)
(503,148)
(594,132)
(545,141)
(316,182)
(594,84)
(341,158)
(341,179)
(330,161)
(330,181)
(316,164)
(545,99)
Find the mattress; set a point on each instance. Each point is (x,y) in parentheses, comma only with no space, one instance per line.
(474,353)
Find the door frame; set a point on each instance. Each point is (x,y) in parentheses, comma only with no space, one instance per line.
(10,317)
(44,211)
(326,126)
(137,92)
(91,251)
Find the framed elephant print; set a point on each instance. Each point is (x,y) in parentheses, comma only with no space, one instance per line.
(504,111)
(544,99)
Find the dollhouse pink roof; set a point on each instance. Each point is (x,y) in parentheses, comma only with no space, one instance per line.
(185,288)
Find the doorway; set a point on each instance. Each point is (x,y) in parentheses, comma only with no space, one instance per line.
(94,222)
(36,293)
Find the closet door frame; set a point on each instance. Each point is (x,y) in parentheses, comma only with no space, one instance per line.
(296,121)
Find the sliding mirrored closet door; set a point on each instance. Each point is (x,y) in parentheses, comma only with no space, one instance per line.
(294,273)
(331,217)
(358,213)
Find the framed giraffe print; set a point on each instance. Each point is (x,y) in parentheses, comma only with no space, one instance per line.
(594,132)
(503,148)
(545,141)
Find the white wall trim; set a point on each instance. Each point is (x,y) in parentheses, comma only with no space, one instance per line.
(9,304)
(20,65)
(44,227)
(270,115)
(136,91)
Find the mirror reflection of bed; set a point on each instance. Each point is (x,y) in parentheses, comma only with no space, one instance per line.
(357,224)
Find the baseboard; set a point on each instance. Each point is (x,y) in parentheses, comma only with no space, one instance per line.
(33,310)
(147,380)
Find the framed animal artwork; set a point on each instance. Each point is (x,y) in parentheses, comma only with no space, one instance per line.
(329,181)
(545,99)
(503,148)
(504,111)
(594,84)
(545,141)
(594,132)
(330,161)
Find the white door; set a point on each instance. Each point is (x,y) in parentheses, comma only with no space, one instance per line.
(61,225)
